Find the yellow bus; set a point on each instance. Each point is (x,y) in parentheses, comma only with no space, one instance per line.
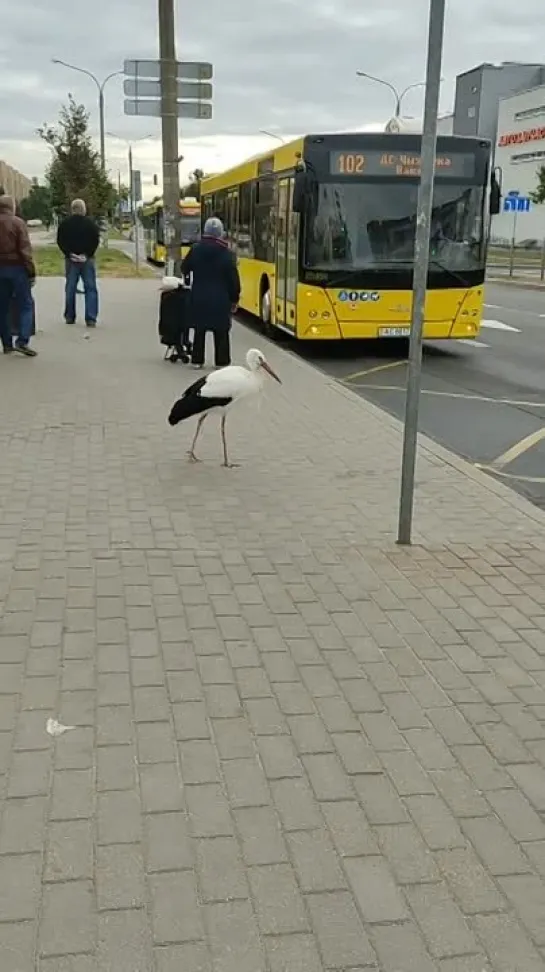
(324,227)
(152,219)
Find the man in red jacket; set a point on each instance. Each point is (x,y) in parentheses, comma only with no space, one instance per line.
(17,276)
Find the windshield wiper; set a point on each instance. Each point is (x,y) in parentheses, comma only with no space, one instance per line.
(433,261)
(346,277)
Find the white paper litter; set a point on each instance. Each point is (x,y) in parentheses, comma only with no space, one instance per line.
(55,728)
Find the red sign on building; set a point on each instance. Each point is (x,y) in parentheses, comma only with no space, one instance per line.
(520,138)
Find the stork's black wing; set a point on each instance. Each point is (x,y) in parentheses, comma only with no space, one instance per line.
(193,403)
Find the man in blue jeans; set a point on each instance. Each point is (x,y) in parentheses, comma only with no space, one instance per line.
(78,238)
(17,276)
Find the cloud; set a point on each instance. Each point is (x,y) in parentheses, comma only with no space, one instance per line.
(286,67)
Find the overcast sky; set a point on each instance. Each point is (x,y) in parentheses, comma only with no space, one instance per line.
(287,66)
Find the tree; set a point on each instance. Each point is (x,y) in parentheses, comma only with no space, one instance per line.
(193,188)
(37,205)
(75,171)
(538,196)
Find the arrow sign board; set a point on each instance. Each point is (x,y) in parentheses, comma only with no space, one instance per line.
(186,109)
(188,70)
(197,90)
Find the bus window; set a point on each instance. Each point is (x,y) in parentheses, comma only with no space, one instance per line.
(245,243)
(264,219)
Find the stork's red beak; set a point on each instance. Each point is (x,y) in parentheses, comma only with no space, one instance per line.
(266,367)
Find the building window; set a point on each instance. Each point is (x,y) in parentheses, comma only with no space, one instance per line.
(528,157)
(530,113)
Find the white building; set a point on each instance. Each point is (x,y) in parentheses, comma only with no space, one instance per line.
(445,124)
(520,153)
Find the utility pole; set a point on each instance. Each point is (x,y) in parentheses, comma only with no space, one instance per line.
(134,214)
(169,131)
(421,266)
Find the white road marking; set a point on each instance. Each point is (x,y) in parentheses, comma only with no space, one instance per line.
(500,326)
(472,343)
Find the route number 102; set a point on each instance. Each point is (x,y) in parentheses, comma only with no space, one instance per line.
(351,164)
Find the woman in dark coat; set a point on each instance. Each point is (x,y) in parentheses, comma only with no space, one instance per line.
(215,292)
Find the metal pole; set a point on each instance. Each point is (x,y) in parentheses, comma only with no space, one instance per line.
(421,264)
(101,127)
(134,213)
(169,131)
(119,201)
(513,241)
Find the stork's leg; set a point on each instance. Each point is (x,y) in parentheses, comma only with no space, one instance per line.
(226,463)
(191,452)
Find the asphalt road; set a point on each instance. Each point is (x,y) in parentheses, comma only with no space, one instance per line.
(484,400)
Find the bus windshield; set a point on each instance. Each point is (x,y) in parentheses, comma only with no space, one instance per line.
(190,228)
(372,225)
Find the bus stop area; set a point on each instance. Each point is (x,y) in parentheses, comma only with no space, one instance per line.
(279,742)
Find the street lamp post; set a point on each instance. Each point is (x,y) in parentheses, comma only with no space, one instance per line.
(132,189)
(399,96)
(100,87)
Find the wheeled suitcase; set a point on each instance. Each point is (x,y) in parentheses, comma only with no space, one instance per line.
(173,326)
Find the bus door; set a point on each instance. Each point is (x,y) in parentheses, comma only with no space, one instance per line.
(292,263)
(281,244)
(287,230)
(231,221)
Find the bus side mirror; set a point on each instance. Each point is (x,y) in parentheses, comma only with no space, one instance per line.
(495,194)
(300,190)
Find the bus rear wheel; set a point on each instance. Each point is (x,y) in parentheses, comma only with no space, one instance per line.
(265,315)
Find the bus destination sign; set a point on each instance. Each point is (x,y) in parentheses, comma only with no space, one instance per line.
(456,165)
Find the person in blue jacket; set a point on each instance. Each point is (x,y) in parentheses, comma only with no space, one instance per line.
(215,293)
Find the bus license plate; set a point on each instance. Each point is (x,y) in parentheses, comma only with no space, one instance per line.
(394,332)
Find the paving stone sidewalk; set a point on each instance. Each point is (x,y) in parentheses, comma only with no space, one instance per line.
(297,747)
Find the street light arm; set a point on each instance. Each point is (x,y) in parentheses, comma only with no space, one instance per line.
(80,70)
(416,84)
(263,131)
(114,74)
(371,77)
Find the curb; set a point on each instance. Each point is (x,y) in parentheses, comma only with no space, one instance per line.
(425,444)
(522,283)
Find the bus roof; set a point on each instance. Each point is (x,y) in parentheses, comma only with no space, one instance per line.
(187,203)
(285,156)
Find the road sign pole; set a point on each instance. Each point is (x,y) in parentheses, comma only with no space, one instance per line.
(169,122)
(421,266)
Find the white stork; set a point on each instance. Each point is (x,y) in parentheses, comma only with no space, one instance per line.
(217,392)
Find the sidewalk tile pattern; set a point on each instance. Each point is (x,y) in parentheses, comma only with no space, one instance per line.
(295,745)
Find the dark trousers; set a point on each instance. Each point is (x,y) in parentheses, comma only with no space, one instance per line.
(87,272)
(15,284)
(222,347)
